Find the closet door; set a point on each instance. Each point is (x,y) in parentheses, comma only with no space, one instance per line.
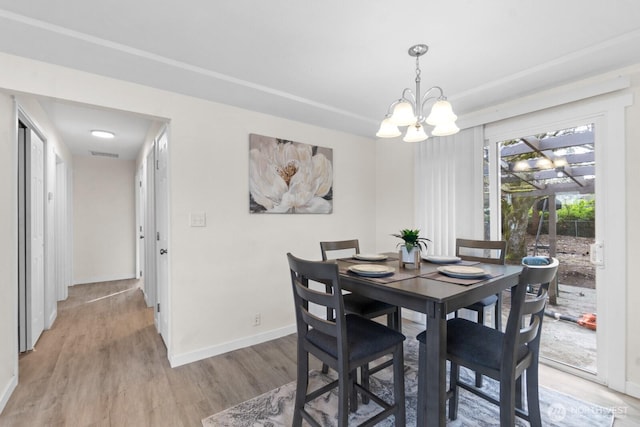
(34,198)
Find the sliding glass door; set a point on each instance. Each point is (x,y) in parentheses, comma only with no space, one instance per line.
(554,185)
(547,208)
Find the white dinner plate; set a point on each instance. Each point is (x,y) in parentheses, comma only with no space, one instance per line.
(370,257)
(441,259)
(462,272)
(371,270)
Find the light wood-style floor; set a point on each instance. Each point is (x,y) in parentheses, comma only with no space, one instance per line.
(103,364)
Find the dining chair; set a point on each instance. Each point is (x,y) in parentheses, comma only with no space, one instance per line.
(344,343)
(361,305)
(504,356)
(489,252)
(354,303)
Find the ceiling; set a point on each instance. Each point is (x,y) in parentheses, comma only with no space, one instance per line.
(333,63)
(74,123)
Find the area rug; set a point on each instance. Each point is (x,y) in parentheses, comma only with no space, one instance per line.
(275,408)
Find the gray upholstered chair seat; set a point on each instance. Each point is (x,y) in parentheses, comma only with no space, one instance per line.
(364,337)
(476,343)
(484,302)
(366,307)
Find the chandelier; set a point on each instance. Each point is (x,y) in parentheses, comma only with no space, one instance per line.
(408,110)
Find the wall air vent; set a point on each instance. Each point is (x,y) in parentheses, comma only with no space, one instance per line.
(101,154)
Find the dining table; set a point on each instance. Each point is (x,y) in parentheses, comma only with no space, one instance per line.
(424,288)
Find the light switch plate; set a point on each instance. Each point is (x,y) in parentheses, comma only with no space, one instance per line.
(198,219)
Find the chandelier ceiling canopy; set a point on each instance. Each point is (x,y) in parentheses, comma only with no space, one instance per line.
(408,110)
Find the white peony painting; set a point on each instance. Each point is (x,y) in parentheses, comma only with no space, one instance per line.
(289,177)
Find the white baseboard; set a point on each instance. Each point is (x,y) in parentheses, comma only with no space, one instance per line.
(146,298)
(109,278)
(6,393)
(194,356)
(52,319)
(633,389)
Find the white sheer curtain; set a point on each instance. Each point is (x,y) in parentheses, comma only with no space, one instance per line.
(449,190)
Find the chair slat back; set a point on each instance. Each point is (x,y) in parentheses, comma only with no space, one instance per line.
(327,274)
(535,308)
(307,296)
(487,251)
(340,245)
(515,333)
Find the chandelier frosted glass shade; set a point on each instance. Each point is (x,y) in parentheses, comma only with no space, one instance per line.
(415,133)
(441,114)
(408,110)
(445,129)
(388,129)
(403,114)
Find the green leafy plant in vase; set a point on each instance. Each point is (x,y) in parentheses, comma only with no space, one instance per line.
(412,243)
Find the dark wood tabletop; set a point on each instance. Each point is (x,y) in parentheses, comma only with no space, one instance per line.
(409,288)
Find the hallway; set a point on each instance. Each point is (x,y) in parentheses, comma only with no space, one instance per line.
(104,364)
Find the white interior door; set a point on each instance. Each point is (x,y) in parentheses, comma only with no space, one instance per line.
(162,235)
(61,231)
(23,322)
(35,237)
(51,238)
(149,227)
(139,222)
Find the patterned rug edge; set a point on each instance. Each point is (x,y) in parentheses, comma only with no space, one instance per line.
(275,407)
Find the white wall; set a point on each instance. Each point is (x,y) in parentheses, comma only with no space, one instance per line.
(395,207)
(8,250)
(224,273)
(104,242)
(632,157)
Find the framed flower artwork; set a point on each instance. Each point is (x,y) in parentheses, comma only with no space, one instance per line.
(289,177)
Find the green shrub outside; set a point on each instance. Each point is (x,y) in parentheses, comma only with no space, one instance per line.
(581,210)
(574,219)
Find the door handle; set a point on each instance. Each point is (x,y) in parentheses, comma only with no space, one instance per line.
(596,254)
(142,237)
(163,251)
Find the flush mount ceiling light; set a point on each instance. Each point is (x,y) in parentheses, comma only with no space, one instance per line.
(408,110)
(105,134)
